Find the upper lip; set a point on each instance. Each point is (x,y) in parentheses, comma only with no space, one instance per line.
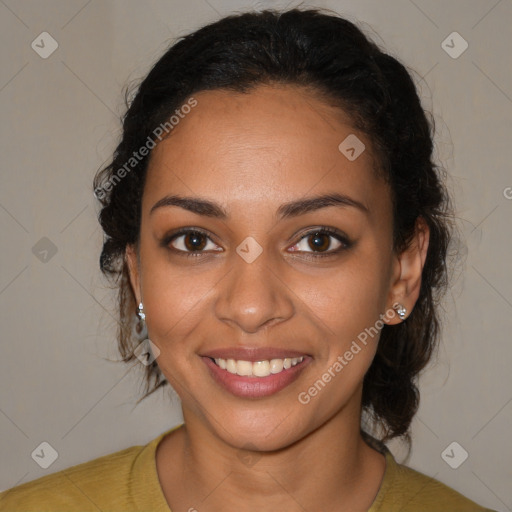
(253,354)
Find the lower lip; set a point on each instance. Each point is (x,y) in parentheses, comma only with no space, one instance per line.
(255,387)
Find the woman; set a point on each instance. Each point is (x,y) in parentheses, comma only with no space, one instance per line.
(277,222)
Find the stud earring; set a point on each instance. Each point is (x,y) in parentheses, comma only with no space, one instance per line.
(140,326)
(140,312)
(401,311)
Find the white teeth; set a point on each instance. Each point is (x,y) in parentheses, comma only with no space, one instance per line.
(276,366)
(258,368)
(261,368)
(244,368)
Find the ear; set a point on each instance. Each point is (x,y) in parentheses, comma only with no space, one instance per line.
(132,261)
(408,267)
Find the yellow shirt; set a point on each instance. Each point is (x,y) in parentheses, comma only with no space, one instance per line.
(127,481)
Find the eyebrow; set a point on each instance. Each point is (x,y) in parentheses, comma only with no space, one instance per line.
(286,210)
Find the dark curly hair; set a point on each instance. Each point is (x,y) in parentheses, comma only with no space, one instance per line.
(330,56)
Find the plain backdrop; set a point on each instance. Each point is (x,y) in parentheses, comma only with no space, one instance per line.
(59,124)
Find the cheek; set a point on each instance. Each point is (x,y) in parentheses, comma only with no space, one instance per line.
(348,298)
(347,307)
(174,301)
(348,311)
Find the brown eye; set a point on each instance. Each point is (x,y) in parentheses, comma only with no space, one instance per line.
(194,241)
(319,241)
(189,241)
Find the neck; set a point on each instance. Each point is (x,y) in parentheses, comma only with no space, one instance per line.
(329,469)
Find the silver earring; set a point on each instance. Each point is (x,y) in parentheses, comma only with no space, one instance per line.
(140,312)
(401,311)
(140,327)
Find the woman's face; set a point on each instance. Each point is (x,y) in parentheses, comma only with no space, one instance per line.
(249,287)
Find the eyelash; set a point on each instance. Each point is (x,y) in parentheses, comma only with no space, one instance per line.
(324,230)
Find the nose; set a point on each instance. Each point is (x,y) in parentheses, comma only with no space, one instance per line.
(253,295)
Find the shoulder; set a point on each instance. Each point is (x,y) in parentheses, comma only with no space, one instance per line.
(404,488)
(92,485)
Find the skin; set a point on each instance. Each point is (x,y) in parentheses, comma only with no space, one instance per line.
(251,153)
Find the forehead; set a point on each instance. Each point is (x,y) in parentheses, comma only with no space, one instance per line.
(270,145)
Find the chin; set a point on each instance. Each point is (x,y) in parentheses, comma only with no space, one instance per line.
(261,430)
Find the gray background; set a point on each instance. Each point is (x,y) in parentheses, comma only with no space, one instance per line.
(60,123)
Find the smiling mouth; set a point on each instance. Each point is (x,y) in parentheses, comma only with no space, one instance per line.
(257,368)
